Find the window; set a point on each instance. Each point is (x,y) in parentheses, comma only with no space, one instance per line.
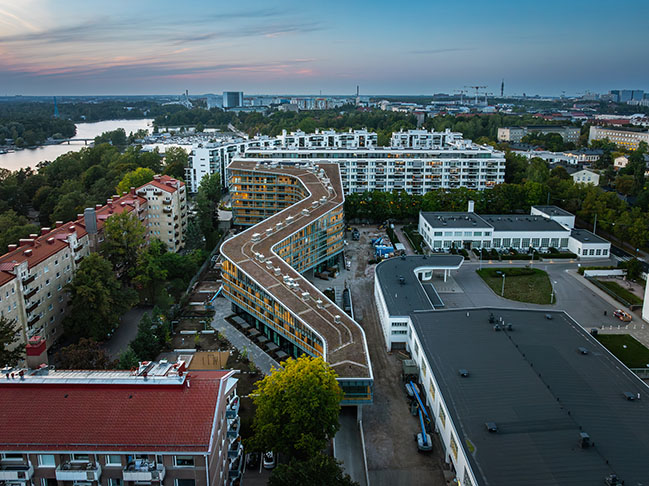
(13,457)
(114,482)
(564,242)
(46,460)
(438,233)
(545,242)
(395,333)
(599,251)
(80,458)
(605,251)
(399,324)
(184,461)
(113,460)
(185,482)
(496,242)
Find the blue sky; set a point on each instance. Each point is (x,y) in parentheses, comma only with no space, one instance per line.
(303,47)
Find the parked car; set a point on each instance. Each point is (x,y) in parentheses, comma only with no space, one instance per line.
(622,315)
(270,461)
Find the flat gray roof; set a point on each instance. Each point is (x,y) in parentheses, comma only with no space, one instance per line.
(521,222)
(553,210)
(403,298)
(541,393)
(455,220)
(586,236)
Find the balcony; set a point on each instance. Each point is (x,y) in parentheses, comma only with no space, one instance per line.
(166,201)
(233,427)
(235,449)
(29,293)
(78,258)
(143,471)
(78,471)
(31,306)
(236,465)
(16,472)
(28,279)
(166,210)
(33,320)
(232,410)
(78,247)
(176,217)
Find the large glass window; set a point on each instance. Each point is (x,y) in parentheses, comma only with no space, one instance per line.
(80,458)
(113,460)
(545,242)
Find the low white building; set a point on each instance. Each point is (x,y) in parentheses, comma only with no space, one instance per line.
(547,227)
(586,176)
(620,162)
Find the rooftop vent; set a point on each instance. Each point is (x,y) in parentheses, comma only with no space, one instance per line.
(337,319)
(305,212)
(463,373)
(582,350)
(256,237)
(491,427)
(402,280)
(631,396)
(584,440)
(277,271)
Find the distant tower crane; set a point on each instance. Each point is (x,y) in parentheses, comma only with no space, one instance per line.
(502,88)
(477,88)
(486,103)
(462,93)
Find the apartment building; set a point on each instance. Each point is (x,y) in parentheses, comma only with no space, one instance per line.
(586,176)
(262,267)
(516,134)
(159,424)
(629,139)
(546,227)
(34,272)
(166,210)
(421,161)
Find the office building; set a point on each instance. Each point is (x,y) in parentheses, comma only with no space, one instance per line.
(515,396)
(516,134)
(262,266)
(232,99)
(546,227)
(629,139)
(34,272)
(161,423)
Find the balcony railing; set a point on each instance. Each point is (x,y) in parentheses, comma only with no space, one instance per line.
(232,409)
(166,201)
(166,210)
(233,427)
(29,293)
(235,449)
(29,279)
(31,306)
(33,320)
(16,472)
(144,472)
(78,471)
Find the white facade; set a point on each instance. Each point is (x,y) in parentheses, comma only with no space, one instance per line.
(586,177)
(330,139)
(555,213)
(423,139)
(624,138)
(587,245)
(516,134)
(620,162)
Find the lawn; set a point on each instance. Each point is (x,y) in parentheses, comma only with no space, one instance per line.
(634,355)
(522,284)
(620,291)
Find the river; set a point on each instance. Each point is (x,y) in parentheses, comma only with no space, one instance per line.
(21,159)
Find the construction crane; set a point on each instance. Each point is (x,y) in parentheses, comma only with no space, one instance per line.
(486,103)
(462,93)
(477,88)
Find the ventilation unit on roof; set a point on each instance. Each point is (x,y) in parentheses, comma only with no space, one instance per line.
(491,427)
(584,440)
(402,280)
(337,319)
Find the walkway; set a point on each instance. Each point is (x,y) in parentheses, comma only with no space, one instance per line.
(222,308)
(126,332)
(403,239)
(348,446)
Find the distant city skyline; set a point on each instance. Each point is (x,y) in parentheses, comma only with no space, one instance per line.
(73,47)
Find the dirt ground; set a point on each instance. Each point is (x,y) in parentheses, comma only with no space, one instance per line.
(389,427)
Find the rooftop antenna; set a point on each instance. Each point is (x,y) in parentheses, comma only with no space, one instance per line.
(358,97)
(502,88)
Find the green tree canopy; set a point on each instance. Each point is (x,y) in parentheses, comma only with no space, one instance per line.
(124,236)
(176,159)
(14,227)
(11,351)
(87,354)
(97,299)
(150,273)
(135,178)
(207,203)
(318,470)
(297,408)
(127,359)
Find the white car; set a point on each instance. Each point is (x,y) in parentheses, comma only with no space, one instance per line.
(269,460)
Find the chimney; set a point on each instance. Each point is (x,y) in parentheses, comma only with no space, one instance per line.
(471,206)
(132,192)
(109,203)
(12,247)
(79,215)
(90,220)
(44,231)
(33,235)
(156,177)
(25,242)
(98,206)
(36,351)
(58,224)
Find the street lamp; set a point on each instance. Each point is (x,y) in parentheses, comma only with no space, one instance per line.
(502,292)
(552,292)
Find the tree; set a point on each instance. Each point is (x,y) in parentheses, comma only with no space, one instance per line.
(538,171)
(87,354)
(150,273)
(176,159)
(11,351)
(127,359)
(123,238)
(297,408)
(97,299)
(135,178)
(14,227)
(207,202)
(151,336)
(624,184)
(319,470)
(633,268)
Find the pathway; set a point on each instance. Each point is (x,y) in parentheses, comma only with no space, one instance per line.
(126,332)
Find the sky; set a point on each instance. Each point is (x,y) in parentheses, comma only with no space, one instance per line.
(88,47)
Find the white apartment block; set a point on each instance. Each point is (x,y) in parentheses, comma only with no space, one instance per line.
(586,177)
(430,161)
(34,272)
(167,210)
(625,138)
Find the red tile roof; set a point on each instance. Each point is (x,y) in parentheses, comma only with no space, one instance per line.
(103,417)
(164,182)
